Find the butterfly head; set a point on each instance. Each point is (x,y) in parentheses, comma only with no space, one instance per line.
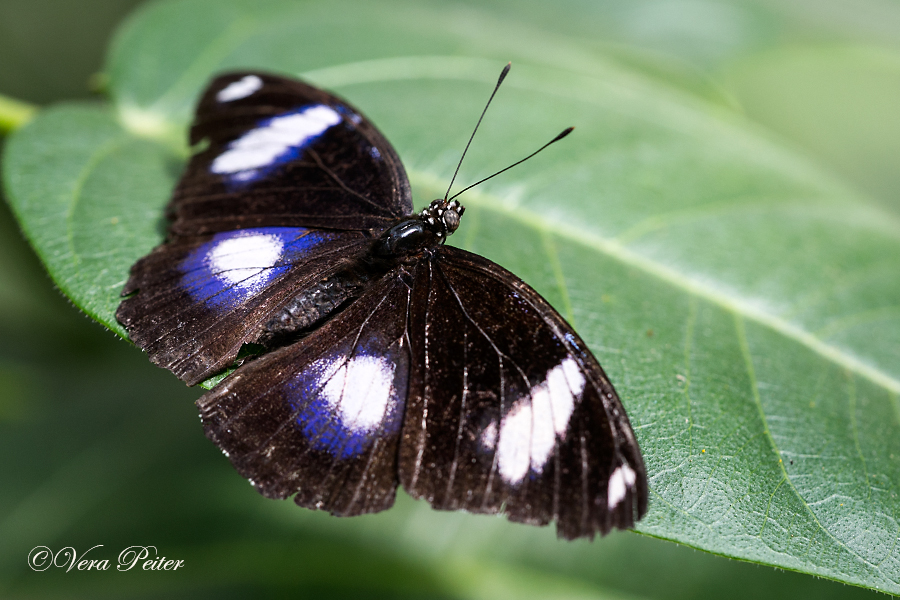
(442,217)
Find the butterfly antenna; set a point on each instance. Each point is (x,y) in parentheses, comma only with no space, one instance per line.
(496,87)
(564,133)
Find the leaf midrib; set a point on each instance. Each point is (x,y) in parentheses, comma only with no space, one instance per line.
(415,67)
(615,250)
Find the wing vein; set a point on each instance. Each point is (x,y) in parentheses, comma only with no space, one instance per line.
(462,417)
(339,181)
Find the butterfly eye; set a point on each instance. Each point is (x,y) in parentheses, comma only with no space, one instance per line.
(451,220)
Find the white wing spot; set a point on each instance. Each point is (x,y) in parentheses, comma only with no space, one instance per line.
(529,430)
(261,147)
(619,482)
(239,89)
(241,260)
(564,383)
(515,443)
(360,391)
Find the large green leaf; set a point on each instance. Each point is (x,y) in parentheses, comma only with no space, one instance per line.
(742,301)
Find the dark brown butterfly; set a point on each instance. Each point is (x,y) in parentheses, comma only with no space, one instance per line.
(383,356)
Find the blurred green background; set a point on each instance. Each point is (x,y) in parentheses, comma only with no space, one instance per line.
(100,447)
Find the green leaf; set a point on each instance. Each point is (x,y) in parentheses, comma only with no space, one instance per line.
(743,301)
(89,196)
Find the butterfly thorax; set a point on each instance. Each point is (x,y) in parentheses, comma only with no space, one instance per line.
(419,232)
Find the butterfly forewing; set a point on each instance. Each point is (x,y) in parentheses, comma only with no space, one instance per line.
(516,419)
(195,301)
(277,152)
(322,417)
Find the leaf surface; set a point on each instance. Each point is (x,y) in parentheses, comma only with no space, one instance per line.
(743,301)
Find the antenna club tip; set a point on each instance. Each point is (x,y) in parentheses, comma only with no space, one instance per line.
(563,134)
(503,73)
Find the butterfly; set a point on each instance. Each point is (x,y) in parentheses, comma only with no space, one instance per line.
(368,353)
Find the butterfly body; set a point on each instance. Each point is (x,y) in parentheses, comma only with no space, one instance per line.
(403,243)
(390,358)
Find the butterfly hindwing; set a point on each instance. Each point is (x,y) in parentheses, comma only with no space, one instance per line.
(278,152)
(508,411)
(322,417)
(193,302)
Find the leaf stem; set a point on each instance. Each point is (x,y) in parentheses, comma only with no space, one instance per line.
(14,114)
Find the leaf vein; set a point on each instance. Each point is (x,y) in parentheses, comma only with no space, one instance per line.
(556,266)
(96,158)
(751,373)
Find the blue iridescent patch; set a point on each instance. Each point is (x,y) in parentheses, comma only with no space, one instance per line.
(345,401)
(273,142)
(353,117)
(235,265)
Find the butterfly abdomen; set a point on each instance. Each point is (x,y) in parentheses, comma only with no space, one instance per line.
(313,305)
